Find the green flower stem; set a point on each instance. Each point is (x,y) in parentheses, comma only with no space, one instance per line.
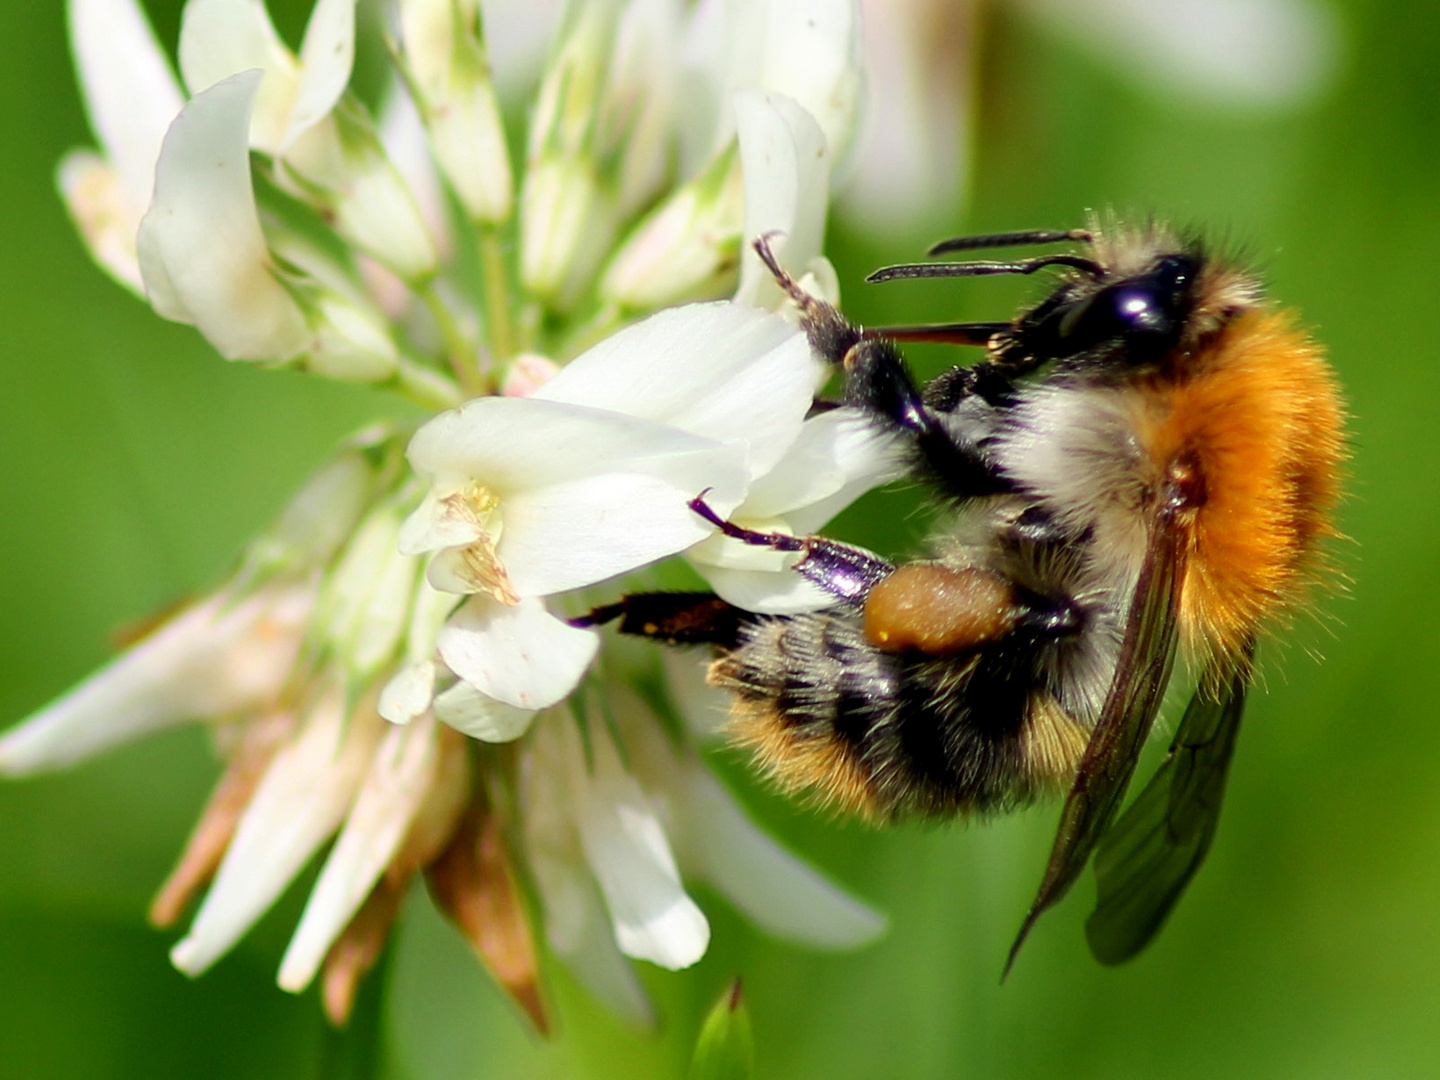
(458,351)
(427,387)
(497,295)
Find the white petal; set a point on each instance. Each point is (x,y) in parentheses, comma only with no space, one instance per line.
(130,92)
(520,655)
(514,444)
(437,523)
(201,249)
(365,603)
(567,536)
(480,716)
(579,931)
(723,371)
(779,893)
(777,591)
(326,56)
(808,50)
(220,38)
(703,707)
(394,787)
(218,658)
(628,853)
(713,837)
(298,804)
(408,693)
(103,214)
(787,184)
(319,517)
(838,456)
(576,924)
(584,494)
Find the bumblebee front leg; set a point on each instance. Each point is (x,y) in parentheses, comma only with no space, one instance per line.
(846,573)
(878,383)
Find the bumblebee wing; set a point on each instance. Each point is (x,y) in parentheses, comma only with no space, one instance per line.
(1145,861)
(1147,653)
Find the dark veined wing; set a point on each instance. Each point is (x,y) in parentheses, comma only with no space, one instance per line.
(1148,857)
(1147,654)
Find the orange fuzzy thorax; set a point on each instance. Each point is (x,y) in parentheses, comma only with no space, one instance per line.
(1256,412)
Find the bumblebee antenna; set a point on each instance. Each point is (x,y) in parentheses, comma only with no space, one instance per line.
(1012,239)
(982,269)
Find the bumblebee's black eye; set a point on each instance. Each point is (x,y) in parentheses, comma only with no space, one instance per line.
(1145,312)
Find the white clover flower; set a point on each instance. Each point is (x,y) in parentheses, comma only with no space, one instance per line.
(357,690)
(590,477)
(131,96)
(610,843)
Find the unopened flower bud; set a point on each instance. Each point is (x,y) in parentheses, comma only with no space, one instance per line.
(559,211)
(688,247)
(365,604)
(340,166)
(449,72)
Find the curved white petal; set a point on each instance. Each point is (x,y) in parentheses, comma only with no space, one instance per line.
(103,214)
(787,184)
(408,693)
(579,931)
(202,253)
(723,371)
(130,93)
(838,456)
(576,923)
(220,38)
(520,655)
(626,847)
(517,37)
(514,444)
(913,152)
(480,716)
(298,804)
(218,658)
(438,522)
(716,840)
(584,494)
(808,50)
(389,798)
(327,55)
(566,536)
(777,591)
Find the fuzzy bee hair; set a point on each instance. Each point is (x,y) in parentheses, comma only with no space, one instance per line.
(1144,463)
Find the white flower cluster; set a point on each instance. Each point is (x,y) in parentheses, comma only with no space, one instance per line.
(391,667)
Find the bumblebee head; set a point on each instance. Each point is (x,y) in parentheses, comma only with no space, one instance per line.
(1135,319)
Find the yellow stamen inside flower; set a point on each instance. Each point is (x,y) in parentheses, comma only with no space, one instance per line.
(479,564)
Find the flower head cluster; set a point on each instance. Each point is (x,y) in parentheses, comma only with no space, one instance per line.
(394,669)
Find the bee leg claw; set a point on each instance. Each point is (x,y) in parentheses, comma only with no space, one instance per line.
(846,573)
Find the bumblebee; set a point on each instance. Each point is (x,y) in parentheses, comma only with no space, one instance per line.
(1143,464)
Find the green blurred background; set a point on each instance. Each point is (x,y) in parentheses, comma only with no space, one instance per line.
(136,464)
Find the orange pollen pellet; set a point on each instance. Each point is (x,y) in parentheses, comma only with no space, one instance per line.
(931,609)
